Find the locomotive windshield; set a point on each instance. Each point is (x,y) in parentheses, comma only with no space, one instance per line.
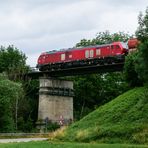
(124,45)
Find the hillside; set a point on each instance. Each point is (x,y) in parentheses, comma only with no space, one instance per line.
(123,120)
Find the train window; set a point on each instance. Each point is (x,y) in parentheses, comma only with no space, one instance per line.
(112,47)
(43,56)
(87,54)
(98,52)
(117,47)
(91,53)
(63,57)
(70,56)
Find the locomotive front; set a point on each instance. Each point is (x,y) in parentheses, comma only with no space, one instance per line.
(41,60)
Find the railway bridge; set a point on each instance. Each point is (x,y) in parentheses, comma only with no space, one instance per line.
(56,95)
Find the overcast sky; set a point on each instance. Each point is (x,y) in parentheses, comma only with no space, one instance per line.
(35,26)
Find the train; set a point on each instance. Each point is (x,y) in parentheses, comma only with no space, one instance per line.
(85,56)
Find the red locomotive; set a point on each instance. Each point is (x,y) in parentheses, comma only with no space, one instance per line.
(84,56)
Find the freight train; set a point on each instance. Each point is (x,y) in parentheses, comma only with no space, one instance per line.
(85,56)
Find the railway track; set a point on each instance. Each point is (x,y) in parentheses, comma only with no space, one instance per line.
(77,71)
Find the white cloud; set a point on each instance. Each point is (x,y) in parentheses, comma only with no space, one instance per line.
(35,26)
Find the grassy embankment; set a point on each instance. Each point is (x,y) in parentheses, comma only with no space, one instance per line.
(47,144)
(123,120)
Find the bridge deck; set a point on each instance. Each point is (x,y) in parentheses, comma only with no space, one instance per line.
(78,71)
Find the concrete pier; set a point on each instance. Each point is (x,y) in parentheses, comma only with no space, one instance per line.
(55,101)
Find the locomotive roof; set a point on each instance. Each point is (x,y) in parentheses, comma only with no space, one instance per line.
(76,48)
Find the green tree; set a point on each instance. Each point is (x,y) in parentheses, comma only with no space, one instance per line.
(130,72)
(142,35)
(10,93)
(12,61)
(104,38)
(28,106)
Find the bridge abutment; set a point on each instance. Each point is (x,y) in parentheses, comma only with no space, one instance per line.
(55,101)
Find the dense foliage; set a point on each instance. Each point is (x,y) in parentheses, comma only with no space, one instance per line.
(12,61)
(91,91)
(130,72)
(28,106)
(10,93)
(13,64)
(142,35)
(104,38)
(136,65)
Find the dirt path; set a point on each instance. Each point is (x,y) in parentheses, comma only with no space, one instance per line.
(22,140)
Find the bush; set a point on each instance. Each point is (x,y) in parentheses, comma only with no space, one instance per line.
(52,126)
(130,72)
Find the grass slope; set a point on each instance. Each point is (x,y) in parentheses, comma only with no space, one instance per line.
(47,144)
(123,120)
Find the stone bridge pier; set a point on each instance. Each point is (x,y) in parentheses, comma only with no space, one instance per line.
(55,101)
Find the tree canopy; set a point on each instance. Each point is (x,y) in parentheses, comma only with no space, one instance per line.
(104,38)
(12,61)
(142,35)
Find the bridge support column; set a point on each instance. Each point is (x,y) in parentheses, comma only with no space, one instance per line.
(55,101)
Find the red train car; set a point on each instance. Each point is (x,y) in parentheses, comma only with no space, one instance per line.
(133,43)
(91,55)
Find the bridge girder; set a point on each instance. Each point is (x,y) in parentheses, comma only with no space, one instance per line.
(77,71)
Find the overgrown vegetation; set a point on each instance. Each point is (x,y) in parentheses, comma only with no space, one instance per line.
(123,120)
(94,90)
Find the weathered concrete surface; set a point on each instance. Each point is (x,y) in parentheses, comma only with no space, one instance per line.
(55,107)
(55,100)
(51,82)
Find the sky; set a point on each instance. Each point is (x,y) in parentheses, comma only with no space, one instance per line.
(36,26)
